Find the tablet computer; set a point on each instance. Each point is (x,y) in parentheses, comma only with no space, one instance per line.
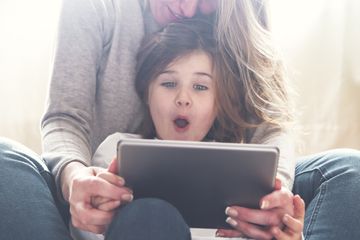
(199,178)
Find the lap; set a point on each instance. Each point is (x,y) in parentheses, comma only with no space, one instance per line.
(328,182)
(28,208)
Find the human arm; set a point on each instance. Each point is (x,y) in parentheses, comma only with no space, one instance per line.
(68,123)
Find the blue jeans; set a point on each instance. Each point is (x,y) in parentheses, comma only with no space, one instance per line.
(328,182)
(28,209)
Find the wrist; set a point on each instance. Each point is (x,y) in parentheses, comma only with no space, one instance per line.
(67,176)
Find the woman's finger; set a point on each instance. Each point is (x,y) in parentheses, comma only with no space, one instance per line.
(229,233)
(108,206)
(254,216)
(96,186)
(278,199)
(280,235)
(112,178)
(295,224)
(292,224)
(87,215)
(299,207)
(98,229)
(251,230)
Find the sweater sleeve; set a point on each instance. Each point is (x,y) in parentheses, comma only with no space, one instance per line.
(84,27)
(266,134)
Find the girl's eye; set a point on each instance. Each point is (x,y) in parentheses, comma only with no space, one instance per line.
(168,84)
(200,87)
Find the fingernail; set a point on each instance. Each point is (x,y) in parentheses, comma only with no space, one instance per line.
(127,197)
(219,234)
(231,212)
(121,182)
(231,221)
(286,218)
(275,231)
(264,205)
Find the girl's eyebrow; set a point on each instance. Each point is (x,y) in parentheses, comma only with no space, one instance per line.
(204,74)
(195,73)
(167,71)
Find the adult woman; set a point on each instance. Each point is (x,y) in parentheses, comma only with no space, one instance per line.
(91,95)
(186,98)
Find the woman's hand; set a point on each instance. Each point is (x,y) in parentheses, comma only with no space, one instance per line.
(80,185)
(257,223)
(293,225)
(108,204)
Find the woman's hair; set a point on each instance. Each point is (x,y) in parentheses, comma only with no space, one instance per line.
(158,50)
(249,84)
(252,73)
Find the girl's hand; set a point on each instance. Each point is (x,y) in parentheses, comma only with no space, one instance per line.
(80,185)
(257,223)
(293,225)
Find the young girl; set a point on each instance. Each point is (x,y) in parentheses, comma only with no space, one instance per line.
(186,97)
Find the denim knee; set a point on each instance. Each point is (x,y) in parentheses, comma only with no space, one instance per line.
(328,182)
(13,151)
(340,165)
(344,163)
(330,163)
(16,158)
(148,218)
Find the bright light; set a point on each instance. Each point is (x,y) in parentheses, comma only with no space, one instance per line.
(26,43)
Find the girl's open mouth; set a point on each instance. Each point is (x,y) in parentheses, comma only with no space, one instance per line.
(181,123)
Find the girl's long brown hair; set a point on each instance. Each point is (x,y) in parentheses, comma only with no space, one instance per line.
(250,83)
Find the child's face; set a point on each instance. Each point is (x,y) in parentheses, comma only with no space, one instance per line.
(182,98)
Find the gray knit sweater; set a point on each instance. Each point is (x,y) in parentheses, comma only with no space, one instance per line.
(91,92)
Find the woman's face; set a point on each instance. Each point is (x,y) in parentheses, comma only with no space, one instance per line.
(182,98)
(166,11)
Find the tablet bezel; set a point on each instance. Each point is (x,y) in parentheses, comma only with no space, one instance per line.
(194,179)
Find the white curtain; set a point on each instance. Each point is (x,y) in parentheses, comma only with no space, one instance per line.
(319,40)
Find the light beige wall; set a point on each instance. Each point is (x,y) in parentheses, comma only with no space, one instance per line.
(26,39)
(320,43)
(319,40)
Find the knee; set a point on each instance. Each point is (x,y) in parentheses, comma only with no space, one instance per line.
(151,205)
(7,150)
(13,153)
(349,159)
(151,209)
(344,164)
(149,218)
(5,146)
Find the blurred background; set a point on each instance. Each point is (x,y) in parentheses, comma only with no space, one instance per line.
(319,41)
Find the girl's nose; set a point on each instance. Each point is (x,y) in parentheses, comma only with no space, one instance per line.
(183,100)
(188,7)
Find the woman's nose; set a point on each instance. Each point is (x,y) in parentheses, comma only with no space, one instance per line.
(188,8)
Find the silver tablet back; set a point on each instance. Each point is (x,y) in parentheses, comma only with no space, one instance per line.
(199,178)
